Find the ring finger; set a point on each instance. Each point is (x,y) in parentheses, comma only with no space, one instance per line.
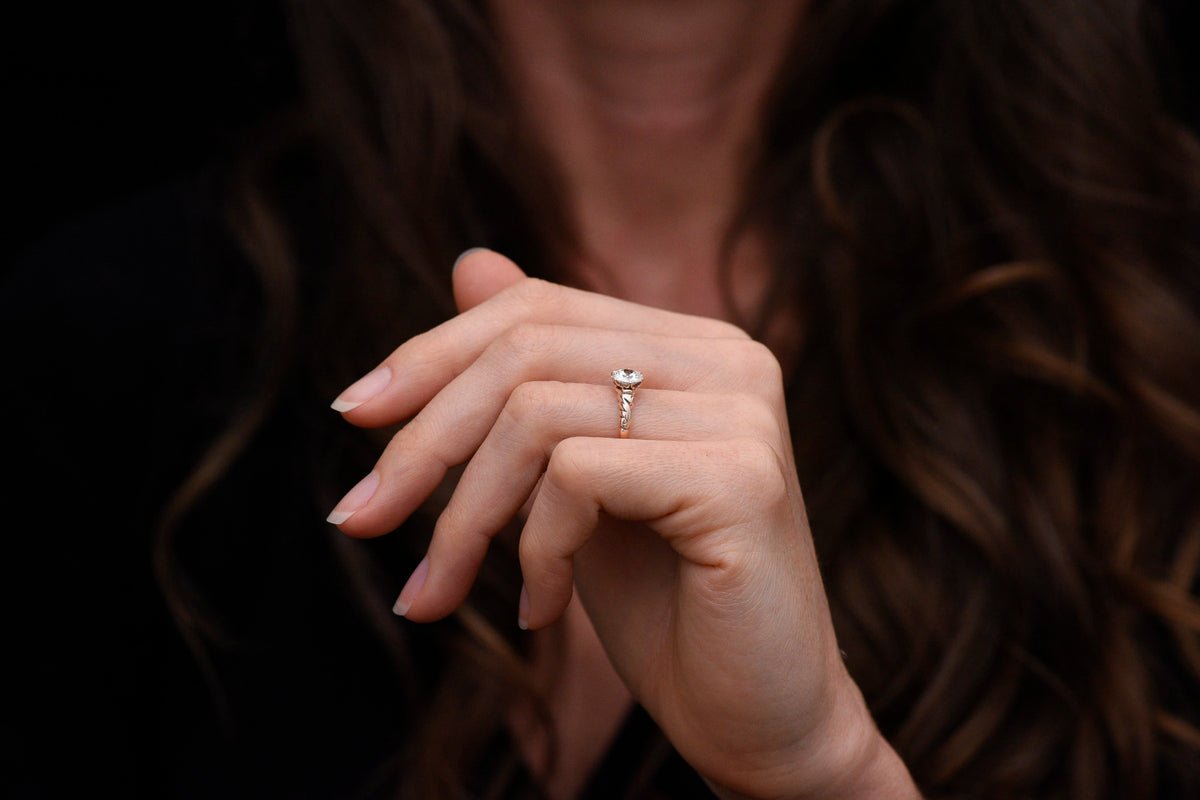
(505,471)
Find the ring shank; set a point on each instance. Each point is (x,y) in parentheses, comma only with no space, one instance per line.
(626,412)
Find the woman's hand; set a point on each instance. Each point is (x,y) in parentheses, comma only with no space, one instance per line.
(687,542)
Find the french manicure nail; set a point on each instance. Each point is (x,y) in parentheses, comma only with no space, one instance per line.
(412,588)
(523,610)
(463,255)
(355,499)
(363,389)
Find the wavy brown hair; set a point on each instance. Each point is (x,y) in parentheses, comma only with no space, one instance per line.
(989,224)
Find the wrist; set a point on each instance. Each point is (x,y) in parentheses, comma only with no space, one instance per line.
(846,759)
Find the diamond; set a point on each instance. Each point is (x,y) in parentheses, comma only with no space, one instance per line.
(627,378)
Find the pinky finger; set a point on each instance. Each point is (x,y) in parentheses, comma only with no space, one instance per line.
(683,491)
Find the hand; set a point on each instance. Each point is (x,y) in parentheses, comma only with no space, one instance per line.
(687,542)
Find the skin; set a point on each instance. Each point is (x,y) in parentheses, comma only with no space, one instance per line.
(649,110)
(687,544)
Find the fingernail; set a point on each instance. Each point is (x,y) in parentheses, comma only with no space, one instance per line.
(523,609)
(363,389)
(463,255)
(355,499)
(412,588)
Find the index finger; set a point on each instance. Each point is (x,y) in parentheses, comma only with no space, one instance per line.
(418,369)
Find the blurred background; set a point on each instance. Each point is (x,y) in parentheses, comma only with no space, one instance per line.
(105,100)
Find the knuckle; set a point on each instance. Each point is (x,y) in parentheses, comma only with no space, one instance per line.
(758,471)
(532,402)
(399,443)
(570,467)
(762,368)
(426,353)
(529,549)
(543,561)
(536,295)
(756,415)
(525,341)
(530,338)
(531,399)
(720,329)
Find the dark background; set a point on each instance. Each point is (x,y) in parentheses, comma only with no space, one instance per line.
(105,100)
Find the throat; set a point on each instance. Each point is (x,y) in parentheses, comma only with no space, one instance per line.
(685,268)
(649,114)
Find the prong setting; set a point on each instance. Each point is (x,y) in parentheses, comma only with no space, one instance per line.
(626,378)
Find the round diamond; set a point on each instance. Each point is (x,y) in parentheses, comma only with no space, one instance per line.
(627,378)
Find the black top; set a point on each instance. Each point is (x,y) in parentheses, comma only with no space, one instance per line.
(126,342)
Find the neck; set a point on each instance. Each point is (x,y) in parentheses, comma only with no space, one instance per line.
(649,111)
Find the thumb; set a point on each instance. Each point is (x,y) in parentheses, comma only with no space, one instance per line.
(480,273)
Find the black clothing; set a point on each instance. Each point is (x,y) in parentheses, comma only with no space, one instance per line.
(128,351)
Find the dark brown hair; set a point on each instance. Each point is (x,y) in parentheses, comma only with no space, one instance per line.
(989,226)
